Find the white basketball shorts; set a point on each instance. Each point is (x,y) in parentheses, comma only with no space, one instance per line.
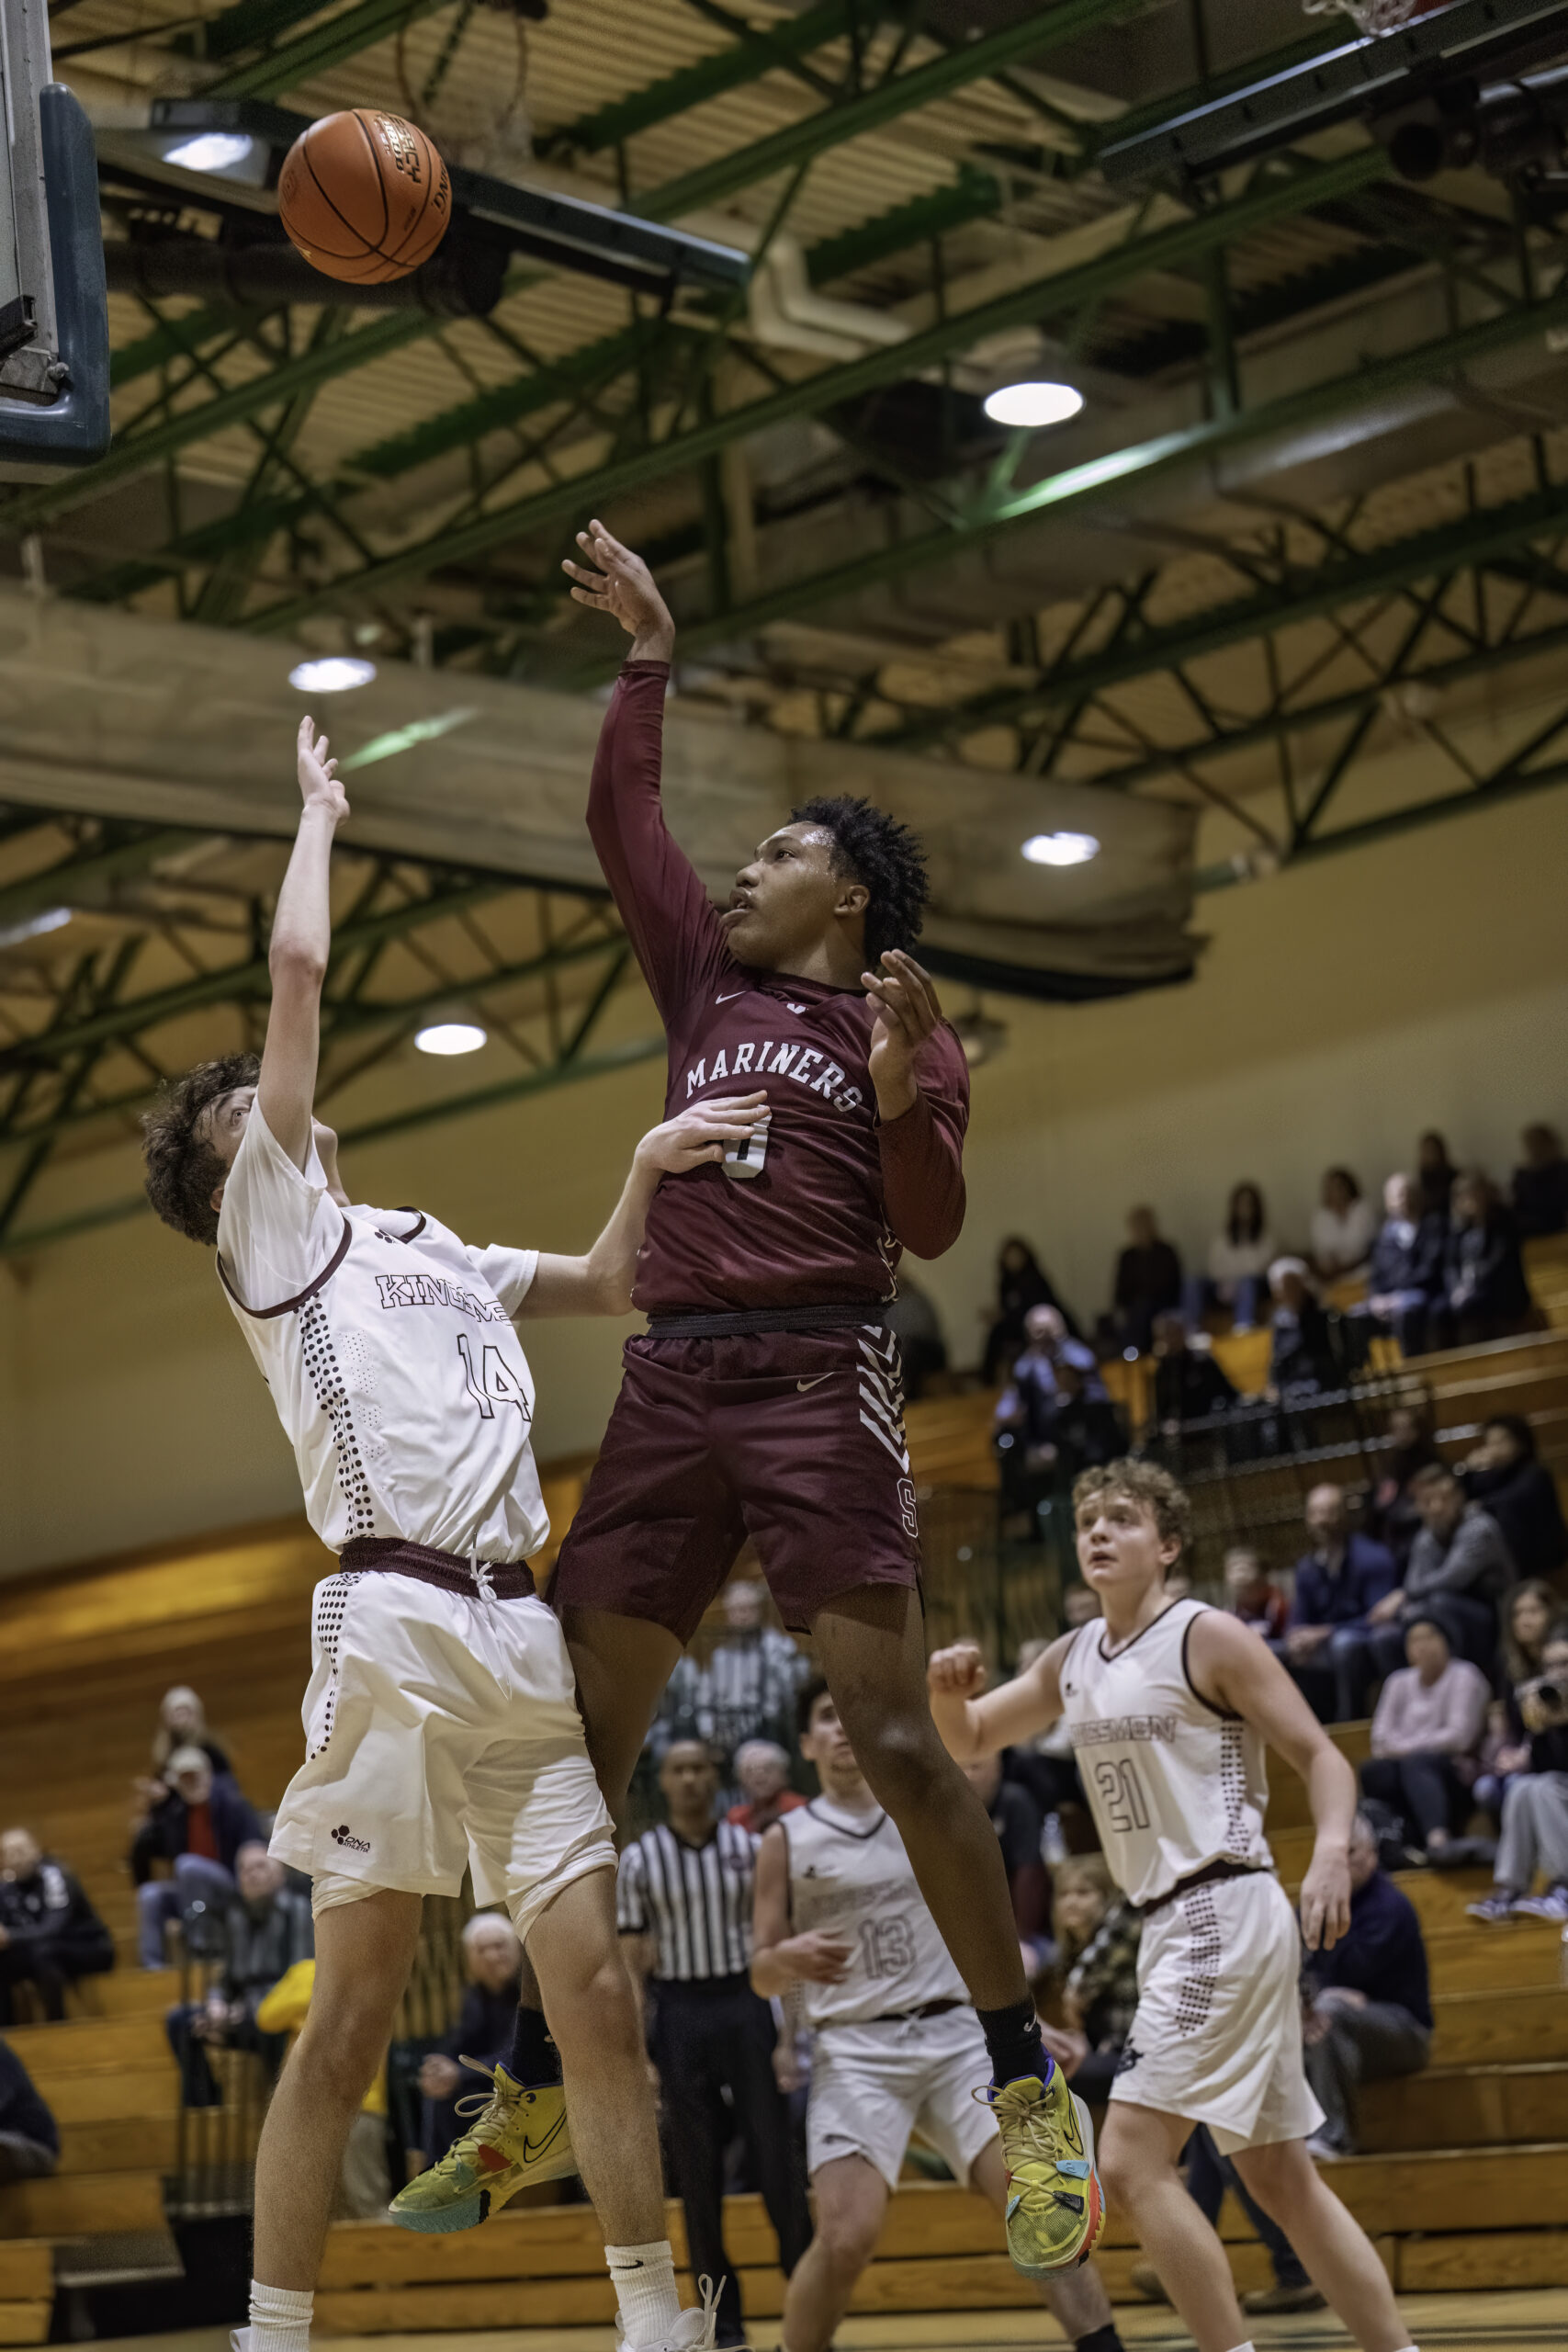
(1217,2032)
(442,1734)
(875,2087)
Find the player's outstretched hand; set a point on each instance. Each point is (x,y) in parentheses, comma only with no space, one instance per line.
(908,1011)
(700,1134)
(320,783)
(1325,1899)
(820,1957)
(958,1672)
(611,579)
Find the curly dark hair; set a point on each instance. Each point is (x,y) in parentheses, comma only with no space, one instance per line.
(1145,1483)
(876,849)
(183,1169)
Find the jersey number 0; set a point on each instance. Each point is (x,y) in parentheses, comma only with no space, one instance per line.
(494,1384)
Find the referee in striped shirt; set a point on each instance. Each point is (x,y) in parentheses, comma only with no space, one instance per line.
(685,1897)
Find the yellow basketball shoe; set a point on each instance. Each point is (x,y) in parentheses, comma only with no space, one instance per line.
(518,2137)
(1056,2208)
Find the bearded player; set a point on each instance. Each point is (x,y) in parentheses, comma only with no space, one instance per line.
(443,1735)
(839,1925)
(765,1400)
(1172,1705)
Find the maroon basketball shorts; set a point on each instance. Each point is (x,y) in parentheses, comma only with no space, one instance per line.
(794,1439)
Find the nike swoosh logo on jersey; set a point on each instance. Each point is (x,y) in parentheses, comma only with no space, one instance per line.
(804,1385)
(730,998)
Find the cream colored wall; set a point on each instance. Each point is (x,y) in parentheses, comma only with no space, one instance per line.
(1341,1008)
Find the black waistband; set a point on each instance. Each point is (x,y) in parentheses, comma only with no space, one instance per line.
(1204,1878)
(701,1324)
(390,1555)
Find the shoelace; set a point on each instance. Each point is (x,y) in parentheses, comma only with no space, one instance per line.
(479,2103)
(479,1570)
(1040,2135)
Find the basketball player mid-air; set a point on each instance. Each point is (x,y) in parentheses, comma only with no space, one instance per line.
(895,2048)
(1171,1705)
(441,1721)
(765,1401)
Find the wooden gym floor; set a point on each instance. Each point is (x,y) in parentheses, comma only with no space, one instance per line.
(1505,2322)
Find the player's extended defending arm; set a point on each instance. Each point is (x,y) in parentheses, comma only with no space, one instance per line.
(972,1721)
(299,954)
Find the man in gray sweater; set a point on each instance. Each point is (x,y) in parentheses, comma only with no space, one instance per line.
(1458,1570)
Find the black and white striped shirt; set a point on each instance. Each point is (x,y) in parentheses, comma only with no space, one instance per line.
(695,1901)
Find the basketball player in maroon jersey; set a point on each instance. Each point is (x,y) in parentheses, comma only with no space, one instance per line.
(765,1400)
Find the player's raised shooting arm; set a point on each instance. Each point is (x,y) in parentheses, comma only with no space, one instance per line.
(974,1721)
(923,1101)
(1237,1674)
(601,1283)
(299,952)
(668,916)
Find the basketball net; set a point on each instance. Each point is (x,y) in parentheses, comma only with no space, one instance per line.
(1370,16)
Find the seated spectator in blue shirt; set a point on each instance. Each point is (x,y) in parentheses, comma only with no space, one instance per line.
(199,1827)
(30,2138)
(1338,1584)
(1034,1453)
(1540,1186)
(1485,1294)
(1369,2015)
(1506,1477)
(483,2031)
(1405,1278)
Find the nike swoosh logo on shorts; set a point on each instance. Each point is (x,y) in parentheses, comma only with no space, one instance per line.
(804,1385)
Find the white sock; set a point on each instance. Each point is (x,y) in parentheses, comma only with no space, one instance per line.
(280,2319)
(644,2280)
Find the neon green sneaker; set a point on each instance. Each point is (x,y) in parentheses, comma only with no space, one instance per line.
(1055,2208)
(518,2137)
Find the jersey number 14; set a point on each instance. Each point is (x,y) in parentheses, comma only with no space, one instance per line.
(494,1383)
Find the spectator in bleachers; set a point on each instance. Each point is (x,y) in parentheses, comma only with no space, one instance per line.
(200,1826)
(29,2137)
(915,1323)
(49,1933)
(1251,1596)
(1022,1282)
(1435,1171)
(1507,1478)
(754,1674)
(1098,1933)
(482,2035)
(685,1905)
(1239,1257)
(1339,1583)
(1015,1817)
(1531,1612)
(1485,1294)
(1057,1375)
(266,1927)
(1086,1427)
(1343,1229)
(1459,1567)
(1188,1384)
(1404,1274)
(1148,1281)
(762,1774)
(1427,1735)
(1505,1754)
(1535,1810)
(1301,1362)
(1540,1189)
(1391,1515)
(1369,2016)
(182,1722)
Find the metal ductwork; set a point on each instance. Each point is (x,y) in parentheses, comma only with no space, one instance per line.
(464,278)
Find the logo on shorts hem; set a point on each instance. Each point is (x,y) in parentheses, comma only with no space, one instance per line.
(344,1837)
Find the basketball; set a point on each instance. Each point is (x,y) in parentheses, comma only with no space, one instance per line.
(364,195)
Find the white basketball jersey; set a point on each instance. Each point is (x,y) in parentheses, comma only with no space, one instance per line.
(389,1349)
(1173,1784)
(850,1876)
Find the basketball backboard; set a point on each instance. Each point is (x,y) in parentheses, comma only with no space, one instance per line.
(53,309)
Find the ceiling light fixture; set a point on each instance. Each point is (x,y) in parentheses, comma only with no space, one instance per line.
(331,674)
(51,919)
(1033,404)
(451,1037)
(1060,849)
(211,151)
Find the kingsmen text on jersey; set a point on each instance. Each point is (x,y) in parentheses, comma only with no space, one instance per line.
(850,1876)
(1173,1783)
(389,1352)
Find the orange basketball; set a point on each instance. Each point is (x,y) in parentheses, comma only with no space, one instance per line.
(364,195)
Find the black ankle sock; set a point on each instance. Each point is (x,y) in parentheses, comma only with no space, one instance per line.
(1013,2037)
(1100,2339)
(534,2061)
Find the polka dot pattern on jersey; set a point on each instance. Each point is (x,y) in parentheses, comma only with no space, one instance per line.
(1197,1994)
(332,1603)
(326,1379)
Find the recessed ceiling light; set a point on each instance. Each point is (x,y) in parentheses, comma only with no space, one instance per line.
(1060,849)
(1034,403)
(211,151)
(334,673)
(451,1037)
